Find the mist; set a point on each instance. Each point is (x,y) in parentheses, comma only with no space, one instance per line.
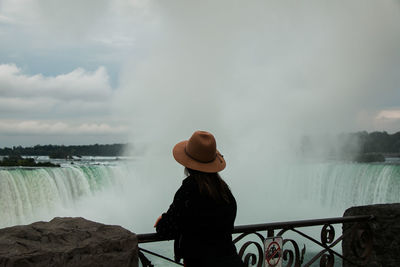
(258,76)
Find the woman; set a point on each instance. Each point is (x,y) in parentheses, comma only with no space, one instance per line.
(202,214)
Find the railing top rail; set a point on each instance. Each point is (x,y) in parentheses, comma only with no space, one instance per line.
(300,223)
(153,237)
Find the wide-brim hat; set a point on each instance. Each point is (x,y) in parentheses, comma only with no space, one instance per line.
(199,153)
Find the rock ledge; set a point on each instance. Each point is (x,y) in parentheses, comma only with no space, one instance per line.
(68,242)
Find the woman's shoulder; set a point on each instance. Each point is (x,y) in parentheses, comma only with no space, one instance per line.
(189,182)
(187,190)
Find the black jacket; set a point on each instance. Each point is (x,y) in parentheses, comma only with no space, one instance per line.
(202,229)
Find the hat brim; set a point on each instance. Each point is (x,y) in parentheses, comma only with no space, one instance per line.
(217,165)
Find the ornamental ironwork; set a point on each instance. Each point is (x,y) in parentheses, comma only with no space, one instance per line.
(249,240)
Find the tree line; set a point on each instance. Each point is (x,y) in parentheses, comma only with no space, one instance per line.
(353,144)
(379,142)
(61,151)
(358,146)
(18,161)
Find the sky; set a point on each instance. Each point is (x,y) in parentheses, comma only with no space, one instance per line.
(146,71)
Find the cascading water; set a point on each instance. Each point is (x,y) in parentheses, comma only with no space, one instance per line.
(112,194)
(36,194)
(338,186)
(312,190)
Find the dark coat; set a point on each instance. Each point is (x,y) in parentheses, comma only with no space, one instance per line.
(201,227)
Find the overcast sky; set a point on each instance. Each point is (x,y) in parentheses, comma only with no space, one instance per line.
(99,71)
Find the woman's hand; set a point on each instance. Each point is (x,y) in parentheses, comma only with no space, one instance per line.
(159,218)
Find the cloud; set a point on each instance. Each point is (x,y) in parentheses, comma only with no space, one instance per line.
(48,108)
(71,104)
(15,105)
(5,20)
(389,114)
(388,120)
(52,37)
(66,18)
(57,128)
(78,84)
(72,17)
(64,23)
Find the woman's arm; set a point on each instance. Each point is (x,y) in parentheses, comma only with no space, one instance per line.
(168,225)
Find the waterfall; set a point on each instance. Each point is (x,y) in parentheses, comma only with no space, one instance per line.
(311,190)
(38,193)
(114,194)
(338,186)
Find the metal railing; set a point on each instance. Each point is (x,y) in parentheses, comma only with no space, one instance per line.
(355,229)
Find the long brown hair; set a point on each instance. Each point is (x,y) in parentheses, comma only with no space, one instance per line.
(211,184)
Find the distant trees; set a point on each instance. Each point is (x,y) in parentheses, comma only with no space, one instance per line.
(381,142)
(56,151)
(18,161)
(358,146)
(348,146)
(369,157)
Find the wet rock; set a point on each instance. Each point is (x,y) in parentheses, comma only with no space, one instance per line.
(68,242)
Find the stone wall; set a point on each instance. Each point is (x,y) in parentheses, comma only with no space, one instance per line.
(68,242)
(385,233)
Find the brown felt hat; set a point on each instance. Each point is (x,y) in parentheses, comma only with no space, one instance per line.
(199,153)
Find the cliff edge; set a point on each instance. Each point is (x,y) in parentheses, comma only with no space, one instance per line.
(68,242)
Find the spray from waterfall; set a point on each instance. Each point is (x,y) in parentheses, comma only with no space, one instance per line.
(258,76)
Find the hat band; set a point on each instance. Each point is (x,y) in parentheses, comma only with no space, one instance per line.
(209,161)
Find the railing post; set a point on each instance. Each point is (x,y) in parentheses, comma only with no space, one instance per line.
(270,233)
